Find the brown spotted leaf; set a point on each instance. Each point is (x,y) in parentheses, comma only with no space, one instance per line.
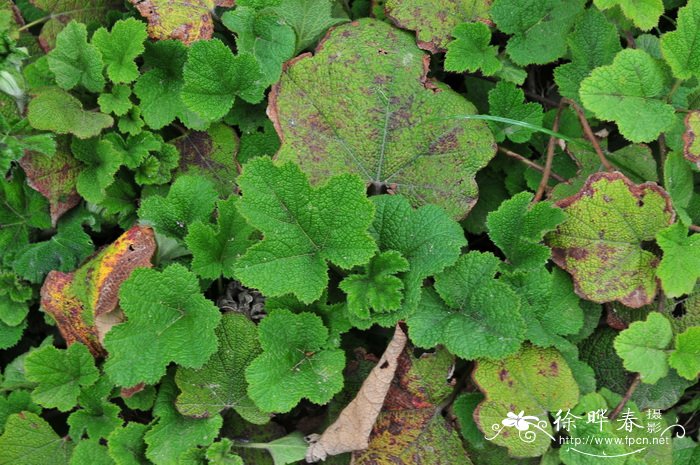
(351,431)
(605,241)
(55,178)
(531,383)
(363,104)
(84,303)
(434,20)
(691,148)
(211,154)
(410,429)
(183,20)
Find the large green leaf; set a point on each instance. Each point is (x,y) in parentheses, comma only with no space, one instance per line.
(362,104)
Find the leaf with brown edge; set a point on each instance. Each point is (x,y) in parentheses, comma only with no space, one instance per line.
(531,383)
(410,429)
(186,21)
(84,303)
(691,146)
(434,20)
(212,154)
(54,177)
(604,242)
(399,129)
(351,431)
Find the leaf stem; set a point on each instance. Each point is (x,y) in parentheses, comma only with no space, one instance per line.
(630,390)
(694,228)
(550,156)
(529,162)
(55,15)
(590,136)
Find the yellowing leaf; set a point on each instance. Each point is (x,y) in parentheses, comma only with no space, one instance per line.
(602,243)
(183,20)
(691,149)
(364,105)
(532,382)
(84,302)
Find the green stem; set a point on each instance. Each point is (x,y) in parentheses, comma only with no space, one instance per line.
(676,85)
(54,15)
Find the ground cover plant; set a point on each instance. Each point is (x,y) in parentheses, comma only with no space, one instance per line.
(371,232)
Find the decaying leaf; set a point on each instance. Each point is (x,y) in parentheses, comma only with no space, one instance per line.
(691,148)
(182,20)
(55,178)
(212,154)
(603,242)
(364,105)
(84,303)
(531,383)
(410,429)
(435,20)
(350,432)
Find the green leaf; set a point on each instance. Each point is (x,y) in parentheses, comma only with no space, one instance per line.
(120,47)
(126,444)
(90,452)
(131,122)
(75,62)
(309,19)
(432,158)
(56,110)
(678,269)
(219,453)
(60,374)
(469,300)
(21,210)
(158,89)
(377,288)
(263,34)
(220,384)
(190,198)
(117,101)
(303,229)
(678,46)
(678,181)
(534,381)
(98,417)
(102,161)
(601,242)
(594,42)
(216,249)
(686,358)
(285,450)
(158,165)
(16,401)
(414,233)
(175,324)
(630,92)
(295,363)
(433,30)
(507,101)
(642,347)
(470,50)
(644,13)
(63,251)
(539,27)
(30,440)
(190,432)
(517,228)
(548,305)
(213,77)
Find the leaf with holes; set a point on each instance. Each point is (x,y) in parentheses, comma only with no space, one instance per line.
(400,129)
(602,242)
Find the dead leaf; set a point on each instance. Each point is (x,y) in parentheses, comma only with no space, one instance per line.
(350,432)
(84,303)
(186,21)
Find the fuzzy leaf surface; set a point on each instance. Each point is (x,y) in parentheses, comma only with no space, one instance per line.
(642,347)
(120,47)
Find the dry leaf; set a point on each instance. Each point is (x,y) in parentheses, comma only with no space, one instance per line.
(351,430)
